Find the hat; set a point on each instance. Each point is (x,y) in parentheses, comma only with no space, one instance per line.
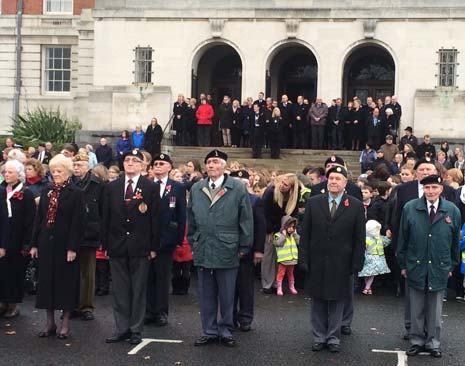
(431,179)
(81,157)
(243,174)
(379,151)
(216,154)
(135,153)
(41,145)
(389,137)
(337,169)
(162,157)
(423,161)
(334,160)
(408,129)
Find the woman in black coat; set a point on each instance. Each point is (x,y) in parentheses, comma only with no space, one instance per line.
(153,137)
(358,125)
(274,131)
(57,235)
(236,129)
(20,211)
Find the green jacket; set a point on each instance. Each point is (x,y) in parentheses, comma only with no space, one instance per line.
(219,230)
(428,251)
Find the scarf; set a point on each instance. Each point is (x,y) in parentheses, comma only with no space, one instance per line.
(9,195)
(54,195)
(33,180)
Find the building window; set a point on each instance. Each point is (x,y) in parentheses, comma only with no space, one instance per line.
(447,67)
(57,71)
(58,6)
(143,65)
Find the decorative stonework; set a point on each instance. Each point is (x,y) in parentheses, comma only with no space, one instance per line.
(369,28)
(292,27)
(216,27)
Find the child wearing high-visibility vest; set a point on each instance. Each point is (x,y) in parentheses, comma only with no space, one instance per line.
(286,242)
(375,262)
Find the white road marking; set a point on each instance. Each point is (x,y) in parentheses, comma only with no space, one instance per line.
(401,356)
(146,341)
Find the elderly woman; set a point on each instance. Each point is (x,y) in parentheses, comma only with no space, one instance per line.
(35,177)
(92,157)
(57,235)
(138,137)
(20,211)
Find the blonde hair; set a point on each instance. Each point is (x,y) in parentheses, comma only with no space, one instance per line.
(60,160)
(455,175)
(293,193)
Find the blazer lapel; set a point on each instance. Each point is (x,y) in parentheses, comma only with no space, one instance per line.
(440,214)
(134,201)
(325,206)
(341,207)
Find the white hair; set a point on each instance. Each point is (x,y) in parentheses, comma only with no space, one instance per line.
(89,147)
(18,155)
(223,163)
(62,161)
(18,167)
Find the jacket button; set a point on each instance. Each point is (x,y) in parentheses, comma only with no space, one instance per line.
(128,220)
(128,233)
(429,262)
(430,235)
(418,262)
(430,288)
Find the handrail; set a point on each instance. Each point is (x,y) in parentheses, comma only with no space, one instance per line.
(170,123)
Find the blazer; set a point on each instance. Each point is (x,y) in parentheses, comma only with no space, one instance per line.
(47,157)
(131,230)
(259,227)
(351,189)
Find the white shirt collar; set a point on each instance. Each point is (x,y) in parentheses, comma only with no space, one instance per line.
(134,180)
(163,181)
(420,190)
(435,204)
(218,182)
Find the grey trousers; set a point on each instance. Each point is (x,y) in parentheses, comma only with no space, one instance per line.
(268,266)
(216,286)
(129,289)
(326,318)
(348,312)
(407,321)
(426,314)
(87,261)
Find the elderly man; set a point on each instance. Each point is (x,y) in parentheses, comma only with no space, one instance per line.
(104,153)
(317,117)
(172,228)
(428,250)
(131,238)
(331,255)
(220,232)
(93,192)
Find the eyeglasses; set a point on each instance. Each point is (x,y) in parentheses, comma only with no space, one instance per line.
(158,163)
(134,160)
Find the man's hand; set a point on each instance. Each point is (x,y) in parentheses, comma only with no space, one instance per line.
(34,252)
(2,252)
(403,273)
(152,255)
(257,257)
(450,274)
(389,234)
(70,256)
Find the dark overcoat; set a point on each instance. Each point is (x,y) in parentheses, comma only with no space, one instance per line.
(332,248)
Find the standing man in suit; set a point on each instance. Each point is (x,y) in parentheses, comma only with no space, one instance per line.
(299,124)
(337,125)
(42,154)
(220,232)
(332,255)
(172,221)
(179,114)
(374,129)
(286,113)
(131,238)
(258,131)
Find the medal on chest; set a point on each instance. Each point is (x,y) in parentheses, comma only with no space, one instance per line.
(142,207)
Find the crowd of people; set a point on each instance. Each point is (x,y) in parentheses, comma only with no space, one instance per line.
(298,124)
(75,224)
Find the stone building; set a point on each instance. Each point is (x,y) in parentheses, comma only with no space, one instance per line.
(130,58)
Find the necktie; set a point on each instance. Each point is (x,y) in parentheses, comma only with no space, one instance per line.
(213,186)
(332,211)
(129,192)
(432,214)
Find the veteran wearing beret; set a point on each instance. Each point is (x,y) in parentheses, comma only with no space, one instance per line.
(220,231)
(427,251)
(131,238)
(332,250)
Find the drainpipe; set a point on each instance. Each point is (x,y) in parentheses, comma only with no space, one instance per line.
(19,23)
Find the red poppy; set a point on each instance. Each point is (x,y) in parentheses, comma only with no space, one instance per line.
(137,196)
(18,195)
(346,202)
(448,220)
(220,193)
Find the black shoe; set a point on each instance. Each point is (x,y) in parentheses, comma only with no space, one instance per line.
(136,338)
(334,348)
(74,314)
(161,321)
(269,291)
(245,327)
(228,341)
(415,350)
(346,330)
(317,347)
(48,333)
(119,337)
(436,353)
(204,340)
(87,315)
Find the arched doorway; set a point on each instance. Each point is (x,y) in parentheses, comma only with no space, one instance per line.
(292,70)
(369,71)
(218,72)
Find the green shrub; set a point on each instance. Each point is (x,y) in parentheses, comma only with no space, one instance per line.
(42,125)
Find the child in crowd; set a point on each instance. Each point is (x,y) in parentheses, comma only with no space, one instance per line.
(102,274)
(114,173)
(367,195)
(375,262)
(286,242)
(182,262)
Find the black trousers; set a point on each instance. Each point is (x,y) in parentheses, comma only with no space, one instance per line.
(337,134)
(275,147)
(318,135)
(299,139)
(158,286)
(181,278)
(257,146)
(102,275)
(244,295)
(236,134)
(204,135)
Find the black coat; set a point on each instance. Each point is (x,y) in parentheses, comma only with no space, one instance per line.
(286,113)
(332,248)
(258,126)
(274,129)
(37,188)
(47,157)
(179,109)
(93,191)
(172,217)
(299,110)
(237,119)
(259,228)
(377,211)
(423,148)
(225,115)
(191,119)
(104,155)
(59,279)
(351,189)
(274,213)
(247,119)
(152,139)
(126,230)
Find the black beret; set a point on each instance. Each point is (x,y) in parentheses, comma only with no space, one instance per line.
(162,157)
(431,179)
(334,160)
(337,169)
(216,154)
(423,161)
(243,174)
(135,153)
(409,129)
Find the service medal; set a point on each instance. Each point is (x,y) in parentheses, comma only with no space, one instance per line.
(143,207)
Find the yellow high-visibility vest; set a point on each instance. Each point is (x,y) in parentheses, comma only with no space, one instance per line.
(374,247)
(288,251)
